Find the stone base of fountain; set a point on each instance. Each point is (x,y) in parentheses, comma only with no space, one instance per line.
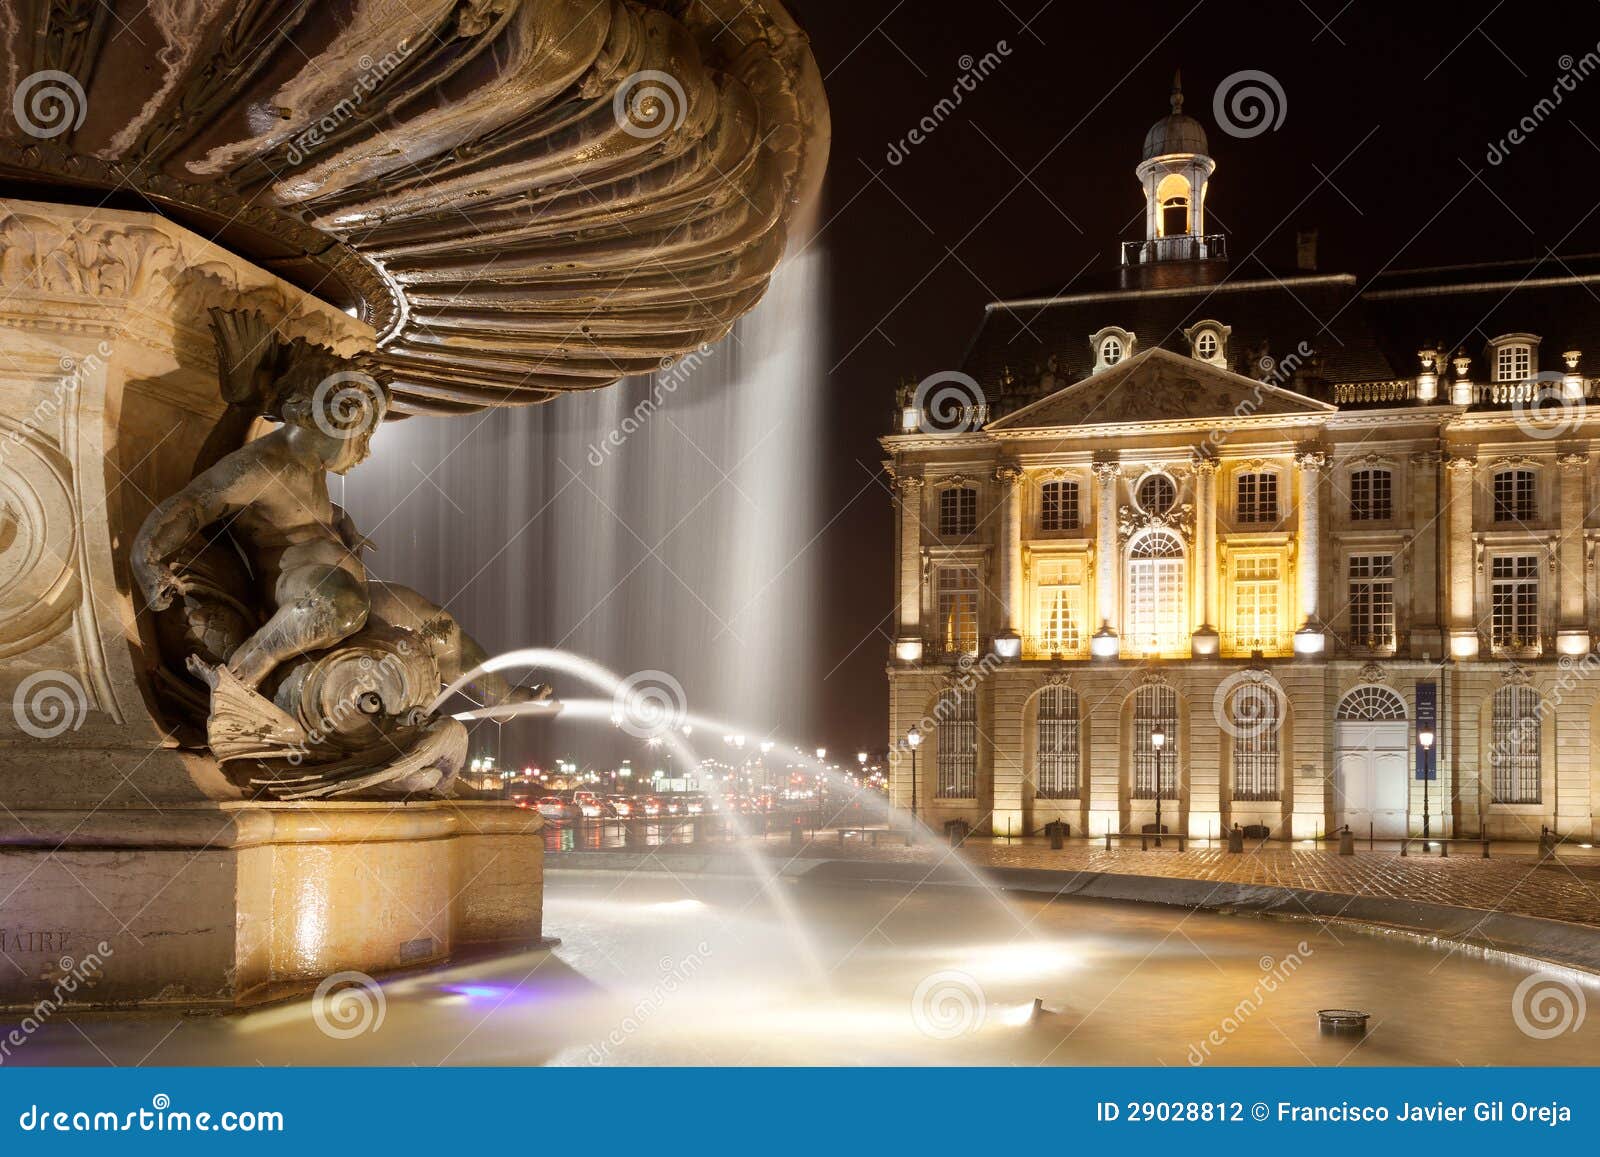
(223,906)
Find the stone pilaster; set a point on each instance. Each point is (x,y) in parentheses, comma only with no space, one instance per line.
(1207,580)
(1106,473)
(1424,633)
(908,636)
(1311,462)
(1007,478)
(1459,582)
(1572,634)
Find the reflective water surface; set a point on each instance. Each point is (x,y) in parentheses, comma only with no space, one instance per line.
(655,969)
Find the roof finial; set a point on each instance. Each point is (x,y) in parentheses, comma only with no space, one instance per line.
(1177,90)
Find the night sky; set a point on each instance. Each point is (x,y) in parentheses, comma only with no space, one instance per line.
(1390,113)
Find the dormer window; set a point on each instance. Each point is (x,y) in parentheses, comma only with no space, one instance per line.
(1110,345)
(1514,357)
(1208,342)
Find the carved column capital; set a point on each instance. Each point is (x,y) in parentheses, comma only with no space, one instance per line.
(1205,464)
(1573,460)
(1311,457)
(1107,470)
(1007,473)
(1461,463)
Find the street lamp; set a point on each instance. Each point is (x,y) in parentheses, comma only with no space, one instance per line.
(1158,740)
(1425,737)
(913,741)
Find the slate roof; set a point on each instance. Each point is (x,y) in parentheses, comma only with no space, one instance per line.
(1358,330)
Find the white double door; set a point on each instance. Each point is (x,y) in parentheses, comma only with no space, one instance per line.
(1372,778)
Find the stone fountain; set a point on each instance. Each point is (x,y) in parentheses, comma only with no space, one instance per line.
(230,244)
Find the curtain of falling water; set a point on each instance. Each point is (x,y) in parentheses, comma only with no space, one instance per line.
(665,523)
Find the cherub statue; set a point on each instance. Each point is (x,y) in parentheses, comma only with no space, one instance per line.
(318,675)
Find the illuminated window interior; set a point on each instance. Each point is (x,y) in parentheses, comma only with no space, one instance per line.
(1173,197)
(1061,603)
(1513,362)
(1256,591)
(1111,351)
(958,610)
(1156,620)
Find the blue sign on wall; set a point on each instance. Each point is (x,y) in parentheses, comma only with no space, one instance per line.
(1428,720)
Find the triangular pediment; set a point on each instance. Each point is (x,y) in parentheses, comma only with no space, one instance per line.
(1160,386)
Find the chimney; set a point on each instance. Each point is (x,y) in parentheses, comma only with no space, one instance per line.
(1305,250)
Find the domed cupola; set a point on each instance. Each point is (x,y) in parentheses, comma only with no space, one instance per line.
(1174,172)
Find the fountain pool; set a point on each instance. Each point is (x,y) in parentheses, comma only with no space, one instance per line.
(666,970)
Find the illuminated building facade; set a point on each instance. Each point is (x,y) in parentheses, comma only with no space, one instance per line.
(1274,517)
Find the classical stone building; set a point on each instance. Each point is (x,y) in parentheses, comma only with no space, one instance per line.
(1273,517)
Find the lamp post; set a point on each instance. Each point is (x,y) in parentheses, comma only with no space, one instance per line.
(1158,740)
(913,741)
(1425,737)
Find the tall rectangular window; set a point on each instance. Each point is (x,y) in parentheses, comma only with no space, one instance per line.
(1371,496)
(1258,498)
(1061,604)
(957,716)
(1255,602)
(1056,754)
(958,609)
(1058,506)
(1372,600)
(1156,617)
(1515,498)
(1514,746)
(958,510)
(1514,601)
(1155,769)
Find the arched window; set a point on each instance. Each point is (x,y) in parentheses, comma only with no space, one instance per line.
(1513,361)
(1173,197)
(957,716)
(1254,721)
(1155,708)
(1156,619)
(1514,496)
(1056,745)
(1111,351)
(1371,704)
(1205,346)
(1514,746)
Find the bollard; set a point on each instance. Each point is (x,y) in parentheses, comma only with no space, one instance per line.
(1347,841)
(1444,849)
(1057,832)
(1547,843)
(1236,839)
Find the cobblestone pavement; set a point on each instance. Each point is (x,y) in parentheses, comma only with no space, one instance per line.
(1567,888)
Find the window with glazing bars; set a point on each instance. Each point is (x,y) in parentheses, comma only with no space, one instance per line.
(958,609)
(1371,495)
(1155,708)
(1058,506)
(1254,712)
(1056,752)
(957,713)
(1513,363)
(1514,745)
(1258,498)
(1371,600)
(1514,600)
(1514,497)
(958,510)
(1255,602)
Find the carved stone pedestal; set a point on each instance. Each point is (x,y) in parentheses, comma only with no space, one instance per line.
(116,827)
